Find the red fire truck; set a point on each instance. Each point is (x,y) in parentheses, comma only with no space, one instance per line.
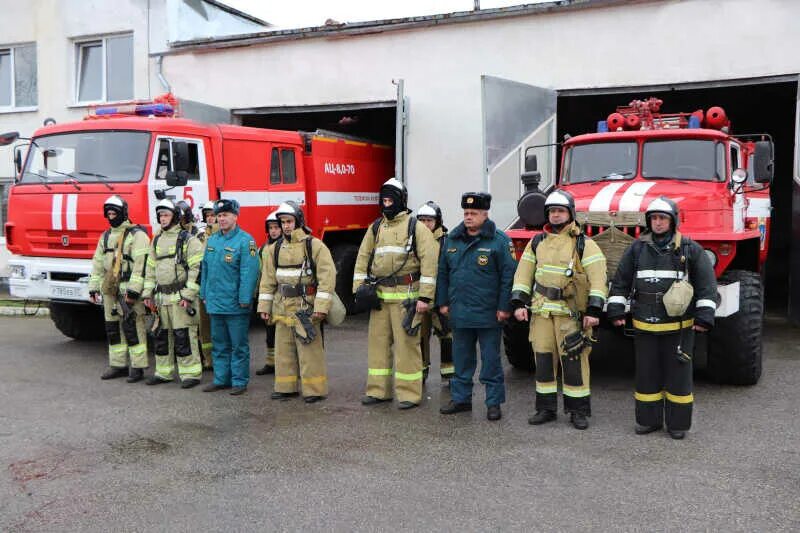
(721,185)
(143,152)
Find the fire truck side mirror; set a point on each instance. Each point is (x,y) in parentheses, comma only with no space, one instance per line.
(531,163)
(177,179)
(180,156)
(18,159)
(531,177)
(763,162)
(8,138)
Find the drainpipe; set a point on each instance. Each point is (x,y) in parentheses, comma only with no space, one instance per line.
(161,78)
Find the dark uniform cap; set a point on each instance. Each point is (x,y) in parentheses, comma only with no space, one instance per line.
(476,200)
(228,205)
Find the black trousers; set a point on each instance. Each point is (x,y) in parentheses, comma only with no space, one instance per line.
(663,382)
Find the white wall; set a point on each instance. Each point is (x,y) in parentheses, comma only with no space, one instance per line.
(639,44)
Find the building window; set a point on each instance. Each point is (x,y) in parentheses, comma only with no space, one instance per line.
(104,69)
(18,76)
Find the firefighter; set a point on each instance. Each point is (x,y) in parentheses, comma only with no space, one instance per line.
(474,290)
(430,214)
(397,258)
(118,278)
(170,289)
(562,278)
(298,278)
(209,221)
(273,228)
(208,218)
(203,348)
(230,272)
(673,294)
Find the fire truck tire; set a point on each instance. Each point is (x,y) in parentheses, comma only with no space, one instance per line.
(734,350)
(344,257)
(79,322)
(518,348)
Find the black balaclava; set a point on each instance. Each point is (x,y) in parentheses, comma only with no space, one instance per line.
(397,206)
(116,221)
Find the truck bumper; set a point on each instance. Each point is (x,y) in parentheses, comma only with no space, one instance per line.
(49,278)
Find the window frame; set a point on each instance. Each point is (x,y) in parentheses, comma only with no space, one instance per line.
(280,149)
(79,44)
(11,50)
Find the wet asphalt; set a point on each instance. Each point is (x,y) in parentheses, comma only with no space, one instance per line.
(81,454)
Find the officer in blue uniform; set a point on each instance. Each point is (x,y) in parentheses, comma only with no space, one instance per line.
(230,272)
(476,270)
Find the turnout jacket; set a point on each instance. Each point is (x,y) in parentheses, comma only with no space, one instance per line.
(646,271)
(173,274)
(134,257)
(475,275)
(294,272)
(547,267)
(230,269)
(391,254)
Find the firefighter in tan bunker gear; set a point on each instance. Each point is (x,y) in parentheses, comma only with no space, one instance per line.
(399,257)
(209,220)
(118,275)
(170,289)
(273,228)
(562,277)
(298,279)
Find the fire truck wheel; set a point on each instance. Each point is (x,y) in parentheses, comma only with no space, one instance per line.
(344,257)
(517,346)
(80,322)
(734,350)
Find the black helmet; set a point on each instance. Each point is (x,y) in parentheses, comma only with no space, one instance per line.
(119,206)
(167,205)
(560,198)
(293,209)
(663,205)
(185,215)
(431,209)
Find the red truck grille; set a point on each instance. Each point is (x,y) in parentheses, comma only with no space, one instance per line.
(44,240)
(592,229)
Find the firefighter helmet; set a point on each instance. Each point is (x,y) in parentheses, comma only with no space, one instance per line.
(119,206)
(394,189)
(665,206)
(432,210)
(167,205)
(208,206)
(272,217)
(291,208)
(185,215)
(560,198)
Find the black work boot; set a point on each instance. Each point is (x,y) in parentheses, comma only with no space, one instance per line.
(542,417)
(313,399)
(407,405)
(284,395)
(644,430)
(155,380)
(372,400)
(189,383)
(135,374)
(213,387)
(264,370)
(676,434)
(453,408)
(114,372)
(238,391)
(493,413)
(579,421)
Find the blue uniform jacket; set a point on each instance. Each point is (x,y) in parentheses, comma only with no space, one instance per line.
(229,272)
(475,276)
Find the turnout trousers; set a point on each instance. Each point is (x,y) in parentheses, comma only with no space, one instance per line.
(386,331)
(177,339)
(270,360)
(295,358)
(663,383)
(547,335)
(127,339)
(466,360)
(231,350)
(446,368)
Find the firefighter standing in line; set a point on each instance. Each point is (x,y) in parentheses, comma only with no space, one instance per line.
(474,290)
(230,271)
(430,214)
(187,221)
(209,220)
(273,229)
(170,289)
(298,279)
(118,275)
(399,256)
(650,272)
(564,282)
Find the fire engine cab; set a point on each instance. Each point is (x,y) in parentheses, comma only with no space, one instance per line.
(143,151)
(721,185)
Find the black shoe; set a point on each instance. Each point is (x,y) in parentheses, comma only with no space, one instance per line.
(313,399)
(407,405)
(579,421)
(644,430)
(372,400)
(676,434)
(493,413)
(542,417)
(155,380)
(136,374)
(213,387)
(284,395)
(238,391)
(189,383)
(114,372)
(453,408)
(264,370)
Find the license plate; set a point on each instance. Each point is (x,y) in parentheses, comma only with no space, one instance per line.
(64,292)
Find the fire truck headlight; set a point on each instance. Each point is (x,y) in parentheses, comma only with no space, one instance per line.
(711,257)
(17,271)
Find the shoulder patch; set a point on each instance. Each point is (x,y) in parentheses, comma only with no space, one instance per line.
(253,248)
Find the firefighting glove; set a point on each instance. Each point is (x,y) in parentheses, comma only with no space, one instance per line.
(440,324)
(411,321)
(304,329)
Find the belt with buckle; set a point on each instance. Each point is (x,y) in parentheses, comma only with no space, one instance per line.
(649,297)
(394,281)
(292,291)
(551,293)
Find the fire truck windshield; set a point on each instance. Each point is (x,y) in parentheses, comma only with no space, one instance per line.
(586,163)
(88,156)
(684,159)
